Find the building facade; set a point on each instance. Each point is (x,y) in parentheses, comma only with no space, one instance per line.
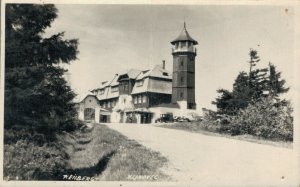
(141,96)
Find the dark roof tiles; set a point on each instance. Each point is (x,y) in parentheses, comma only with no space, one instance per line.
(184,36)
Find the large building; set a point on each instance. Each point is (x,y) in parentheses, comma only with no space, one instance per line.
(141,96)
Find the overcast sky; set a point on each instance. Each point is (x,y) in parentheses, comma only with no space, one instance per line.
(115,38)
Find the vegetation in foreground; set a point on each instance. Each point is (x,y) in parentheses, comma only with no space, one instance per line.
(96,153)
(38,101)
(42,141)
(105,154)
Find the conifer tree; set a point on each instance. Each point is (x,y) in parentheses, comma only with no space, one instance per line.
(257,77)
(275,83)
(36,94)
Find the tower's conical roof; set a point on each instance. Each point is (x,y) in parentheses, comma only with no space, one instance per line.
(184,36)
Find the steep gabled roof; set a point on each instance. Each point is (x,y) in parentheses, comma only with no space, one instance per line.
(184,36)
(157,72)
(162,85)
(115,82)
(131,74)
(104,84)
(81,97)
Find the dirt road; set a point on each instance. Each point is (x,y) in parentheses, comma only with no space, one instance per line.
(214,160)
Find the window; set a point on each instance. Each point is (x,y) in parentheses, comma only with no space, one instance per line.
(181,95)
(121,87)
(176,46)
(108,104)
(135,99)
(101,92)
(139,99)
(125,87)
(165,74)
(182,79)
(144,99)
(189,44)
(181,63)
(183,44)
(114,89)
(140,83)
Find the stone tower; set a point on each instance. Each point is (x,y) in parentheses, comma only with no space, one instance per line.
(184,54)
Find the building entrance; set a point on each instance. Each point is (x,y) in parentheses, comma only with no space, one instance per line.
(89,114)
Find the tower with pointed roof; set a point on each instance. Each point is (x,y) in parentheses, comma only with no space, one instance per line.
(183,85)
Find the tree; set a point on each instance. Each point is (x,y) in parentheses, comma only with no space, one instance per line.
(254,59)
(249,88)
(257,77)
(230,102)
(223,102)
(276,84)
(36,94)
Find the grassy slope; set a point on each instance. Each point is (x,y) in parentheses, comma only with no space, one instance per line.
(31,156)
(108,155)
(212,130)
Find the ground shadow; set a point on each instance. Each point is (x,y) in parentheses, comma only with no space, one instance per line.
(93,170)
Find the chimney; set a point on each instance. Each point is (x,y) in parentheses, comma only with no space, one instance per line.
(164,64)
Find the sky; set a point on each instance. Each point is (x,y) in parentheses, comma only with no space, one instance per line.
(115,38)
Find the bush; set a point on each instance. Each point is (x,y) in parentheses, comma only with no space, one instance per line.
(31,156)
(265,118)
(72,125)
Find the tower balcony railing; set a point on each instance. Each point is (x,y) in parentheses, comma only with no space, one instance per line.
(185,49)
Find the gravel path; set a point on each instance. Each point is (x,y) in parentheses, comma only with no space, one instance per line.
(214,160)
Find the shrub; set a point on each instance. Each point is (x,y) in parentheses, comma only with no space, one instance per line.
(265,118)
(72,125)
(31,156)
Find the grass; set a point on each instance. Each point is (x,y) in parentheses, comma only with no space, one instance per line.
(214,130)
(104,154)
(31,156)
(95,152)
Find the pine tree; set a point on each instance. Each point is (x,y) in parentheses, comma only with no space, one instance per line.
(257,77)
(230,102)
(246,88)
(36,94)
(275,83)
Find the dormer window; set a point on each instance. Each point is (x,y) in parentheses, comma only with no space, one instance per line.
(101,92)
(114,89)
(140,83)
